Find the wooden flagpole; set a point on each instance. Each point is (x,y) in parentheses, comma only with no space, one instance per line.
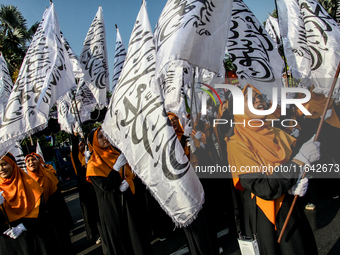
(315,139)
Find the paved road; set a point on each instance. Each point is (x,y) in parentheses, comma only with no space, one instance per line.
(324,220)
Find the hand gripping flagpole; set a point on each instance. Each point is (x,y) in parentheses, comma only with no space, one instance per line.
(315,139)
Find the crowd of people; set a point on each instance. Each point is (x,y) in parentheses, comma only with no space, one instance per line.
(118,209)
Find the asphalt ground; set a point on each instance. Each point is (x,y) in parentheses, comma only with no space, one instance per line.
(324,220)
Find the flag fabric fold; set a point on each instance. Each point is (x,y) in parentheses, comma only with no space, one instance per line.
(294,40)
(76,106)
(39,151)
(253,52)
(194,31)
(45,75)
(272,27)
(19,156)
(119,58)
(6,86)
(94,61)
(311,43)
(137,124)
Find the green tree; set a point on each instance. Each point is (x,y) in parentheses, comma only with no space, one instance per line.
(14,36)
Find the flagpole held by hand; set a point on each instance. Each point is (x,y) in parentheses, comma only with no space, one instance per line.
(315,139)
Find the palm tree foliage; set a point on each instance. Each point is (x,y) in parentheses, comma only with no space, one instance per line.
(14,36)
(330,6)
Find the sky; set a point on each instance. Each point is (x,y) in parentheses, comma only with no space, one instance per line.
(75,17)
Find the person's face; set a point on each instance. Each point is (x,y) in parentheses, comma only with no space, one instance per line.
(82,147)
(6,170)
(32,164)
(258,103)
(224,106)
(174,122)
(103,142)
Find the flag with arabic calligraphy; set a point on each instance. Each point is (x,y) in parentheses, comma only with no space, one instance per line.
(294,41)
(83,99)
(120,54)
(175,83)
(272,27)
(63,108)
(311,43)
(6,85)
(195,31)
(253,52)
(138,125)
(94,61)
(45,75)
(19,156)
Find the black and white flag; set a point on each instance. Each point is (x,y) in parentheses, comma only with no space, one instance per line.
(272,27)
(311,43)
(64,119)
(195,31)
(19,156)
(120,54)
(253,52)
(6,86)
(94,61)
(45,75)
(138,125)
(78,108)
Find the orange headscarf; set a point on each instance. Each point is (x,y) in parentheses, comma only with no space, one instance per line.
(46,179)
(42,162)
(259,146)
(102,161)
(22,194)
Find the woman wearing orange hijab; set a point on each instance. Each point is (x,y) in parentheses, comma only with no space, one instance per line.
(59,220)
(254,150)
(46,179)
(22,199)
(123,226)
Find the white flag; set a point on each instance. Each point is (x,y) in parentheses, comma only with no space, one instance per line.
(275,24)
(120,54)
(311,43)
(63,106)
(79,106)
(77,70)
(6,86)
(19,156)
(39,151)
(138,125)
(94,61)
(195,31)
(175,83)
(294,40)
(270,29)
(45,75)
(253,52)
